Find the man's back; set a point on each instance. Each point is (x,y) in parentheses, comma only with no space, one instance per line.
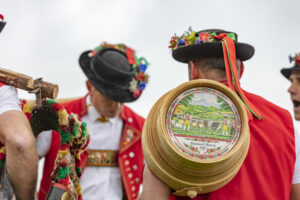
(270,159)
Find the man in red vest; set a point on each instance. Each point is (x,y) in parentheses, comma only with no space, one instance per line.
(268,170)
(293,74)
(19,155)
(114,164)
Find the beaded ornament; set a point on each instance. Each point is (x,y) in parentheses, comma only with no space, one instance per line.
(74,139)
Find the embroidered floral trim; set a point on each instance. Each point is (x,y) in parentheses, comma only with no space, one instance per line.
(190,37)
(139,65)
(295,59)
(74,140)
(2,156)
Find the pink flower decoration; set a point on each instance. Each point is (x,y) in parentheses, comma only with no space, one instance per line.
(297,59)
(204,36)
(136,93)
(186,42)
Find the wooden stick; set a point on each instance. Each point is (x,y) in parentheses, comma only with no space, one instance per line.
(27,83)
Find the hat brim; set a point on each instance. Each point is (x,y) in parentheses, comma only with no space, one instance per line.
(211,49)
(2,24)
(110,91)
(286,72)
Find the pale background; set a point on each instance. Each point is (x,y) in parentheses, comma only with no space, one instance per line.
(45,39)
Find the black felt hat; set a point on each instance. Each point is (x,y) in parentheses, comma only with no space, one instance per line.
(209,48)
(110,72)
(286,72)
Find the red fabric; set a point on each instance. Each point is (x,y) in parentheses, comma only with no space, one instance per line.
(187,117)
(220,36)
(1,84)
(268,169)
(133,122)
(130,55)
(231,53)
(49,166)
(225,122)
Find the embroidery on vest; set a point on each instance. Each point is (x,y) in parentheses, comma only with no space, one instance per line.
(106,158)
(129,136)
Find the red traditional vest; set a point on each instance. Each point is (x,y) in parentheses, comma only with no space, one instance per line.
(267,171)
(130,142)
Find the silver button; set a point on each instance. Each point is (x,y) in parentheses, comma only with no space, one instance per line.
(133,188)
(134,167)
(131,154)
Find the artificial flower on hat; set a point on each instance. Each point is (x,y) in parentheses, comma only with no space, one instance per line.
(216,43)
(116,71)
(286,72)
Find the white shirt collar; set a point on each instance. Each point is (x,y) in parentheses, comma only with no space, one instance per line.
(94,115)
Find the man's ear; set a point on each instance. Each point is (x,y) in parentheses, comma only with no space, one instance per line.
(88,86)
(194,71)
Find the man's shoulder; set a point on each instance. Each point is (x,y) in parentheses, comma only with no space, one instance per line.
(77,105)
(128,112)
(261,102)
(275,117)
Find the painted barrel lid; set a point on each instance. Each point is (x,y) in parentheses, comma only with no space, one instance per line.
(196,136)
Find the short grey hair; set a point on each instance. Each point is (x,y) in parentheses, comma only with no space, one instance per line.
(214,63)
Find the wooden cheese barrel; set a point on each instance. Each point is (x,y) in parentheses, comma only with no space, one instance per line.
(196,137)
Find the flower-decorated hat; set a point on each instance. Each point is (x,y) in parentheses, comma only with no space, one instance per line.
(206,43)
(2,23)
(115,71)
(216,43)
(296,67)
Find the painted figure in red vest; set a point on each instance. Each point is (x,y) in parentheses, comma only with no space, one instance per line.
(19,156)
(114,164)
(186,118)
(268,170)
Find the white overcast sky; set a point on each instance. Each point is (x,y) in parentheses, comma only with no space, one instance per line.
(45,39)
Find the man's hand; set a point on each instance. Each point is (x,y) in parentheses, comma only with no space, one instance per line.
(153,188)
(295,192)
